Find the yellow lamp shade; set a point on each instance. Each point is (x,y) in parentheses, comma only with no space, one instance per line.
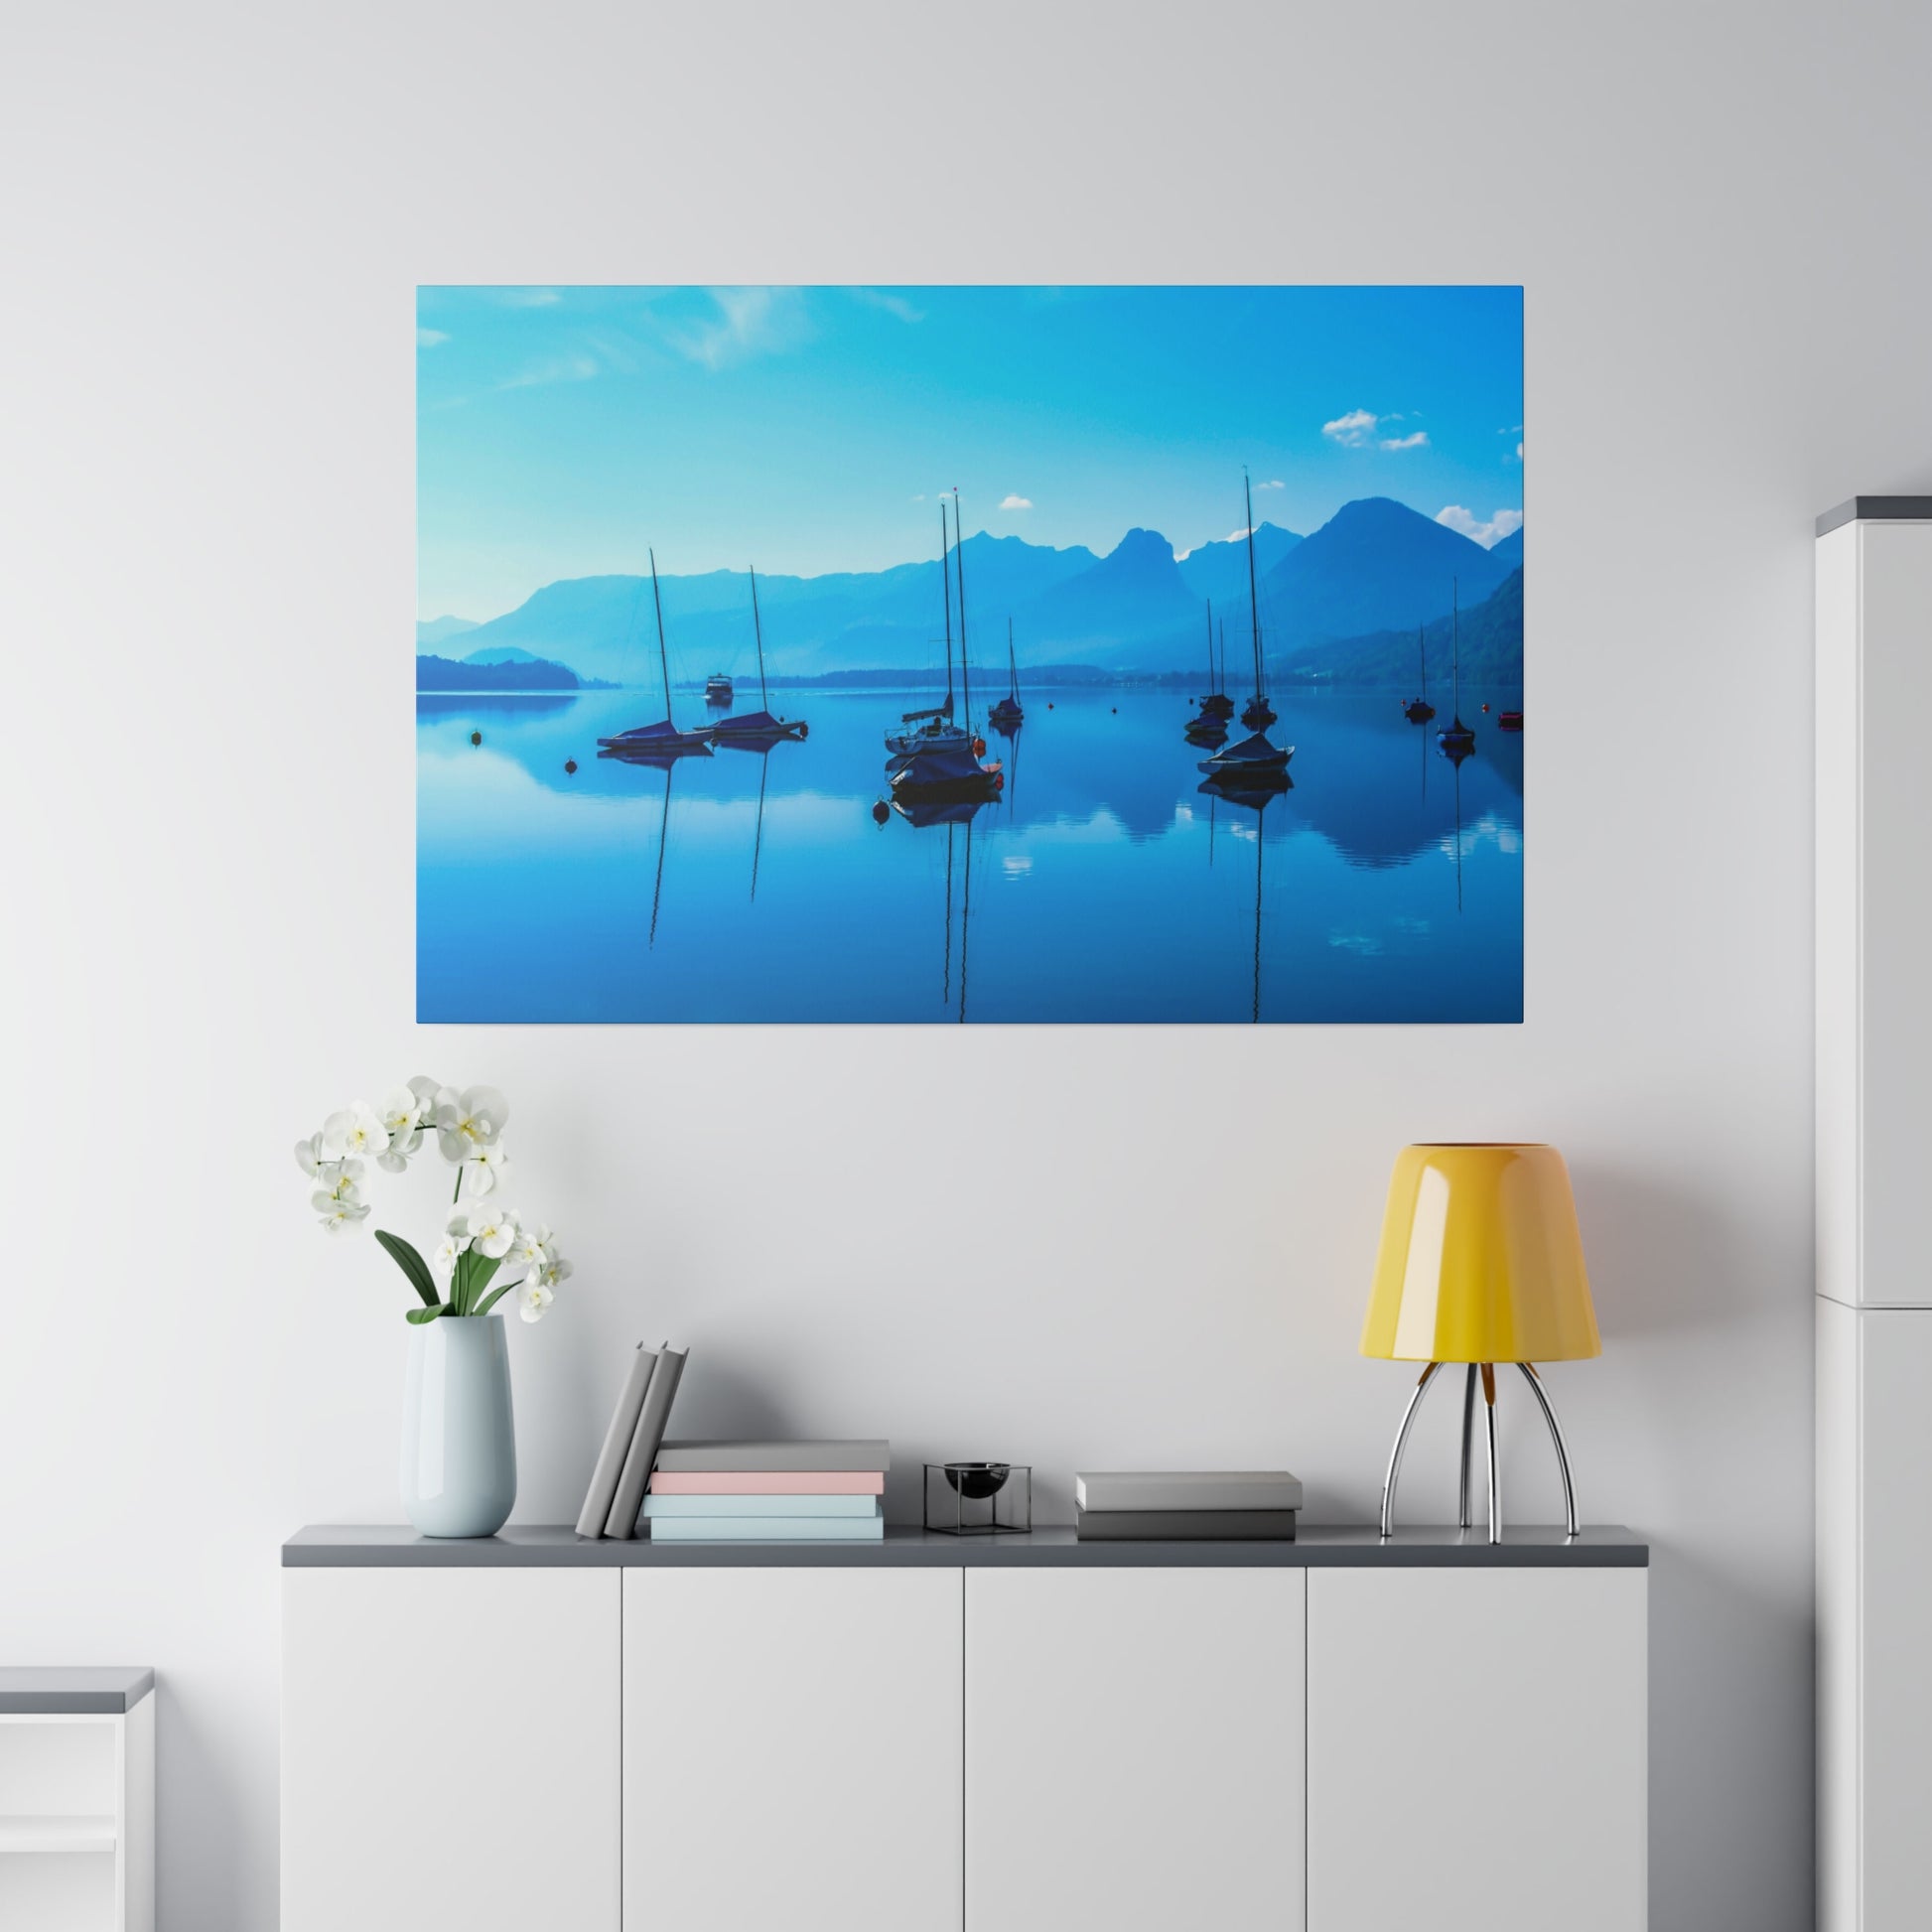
(1482,1260)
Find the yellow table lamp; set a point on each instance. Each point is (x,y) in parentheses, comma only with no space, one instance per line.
(1481,1261)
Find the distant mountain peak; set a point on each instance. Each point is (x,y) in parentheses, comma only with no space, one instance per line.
(1139,544)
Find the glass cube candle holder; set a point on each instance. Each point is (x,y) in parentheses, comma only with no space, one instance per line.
(979,1498)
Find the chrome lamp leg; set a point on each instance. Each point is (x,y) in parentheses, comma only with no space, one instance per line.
(1556,1436)
(1463,1517)
(1395,1454)
(1495,1468)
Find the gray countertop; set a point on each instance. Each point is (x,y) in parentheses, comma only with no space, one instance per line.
(68,1690)
(544,1546)
(1876,509)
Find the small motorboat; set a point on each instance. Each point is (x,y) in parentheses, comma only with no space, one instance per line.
(717,688)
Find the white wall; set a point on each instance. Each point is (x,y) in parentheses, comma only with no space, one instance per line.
(211,228)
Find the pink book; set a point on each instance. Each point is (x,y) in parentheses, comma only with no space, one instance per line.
(770,1482)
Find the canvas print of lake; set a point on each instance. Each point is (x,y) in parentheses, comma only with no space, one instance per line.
(970,654)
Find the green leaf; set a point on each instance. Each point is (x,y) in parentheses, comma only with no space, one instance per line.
(495,1295)
(481,1270)
(420,1315)
(412,1265)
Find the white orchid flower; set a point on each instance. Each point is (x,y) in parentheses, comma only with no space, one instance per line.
(308,1155)
(532,1301)
(552,1271)
(339,1179)
(356,1130)
(427,1092)
(394,1159)
(533,1247)
(341,1213)
(485,1171)
(444,1260)
(491,1233)
(468,1121)
(400,1111)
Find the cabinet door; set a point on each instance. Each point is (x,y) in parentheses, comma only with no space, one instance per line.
(1477,1750)
(1895,1764)
(1134,1749)
(449,1753)
(792,1750)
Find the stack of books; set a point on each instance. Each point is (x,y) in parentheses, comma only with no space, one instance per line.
(1226,1505)
(617,1492)
(772,1492)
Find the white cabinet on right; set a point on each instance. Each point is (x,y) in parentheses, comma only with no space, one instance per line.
(1476,1750)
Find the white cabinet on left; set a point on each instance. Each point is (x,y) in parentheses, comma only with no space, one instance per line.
(450,1749)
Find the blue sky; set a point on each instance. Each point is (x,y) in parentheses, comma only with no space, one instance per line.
(562,430)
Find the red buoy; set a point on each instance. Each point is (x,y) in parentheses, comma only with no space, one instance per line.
(979,748)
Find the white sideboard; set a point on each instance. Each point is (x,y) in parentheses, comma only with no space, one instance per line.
(1874,880)
(76,1800)
(981,1736)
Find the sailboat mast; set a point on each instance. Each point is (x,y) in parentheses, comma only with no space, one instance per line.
(945,583)
(959,564)
(1013,665)
(1253,599)
(1224,654)
(1456,647)
(664,664)
(1210,647)
(757,631)
(1422,662)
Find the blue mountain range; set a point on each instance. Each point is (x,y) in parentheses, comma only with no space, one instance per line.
(1376,566)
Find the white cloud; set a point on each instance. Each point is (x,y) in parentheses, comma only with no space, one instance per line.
(1503,525)
(559,368)
(1353,431)
(1014,502)
(1417,439)
(430,337)
(1277,483)
(894,305)
(920,498)
(745,323)
(530,298)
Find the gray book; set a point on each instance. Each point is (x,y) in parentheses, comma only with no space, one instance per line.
(617,1444)
(1189,1489)
(1187,1526)
(645,1441)
(739,1458)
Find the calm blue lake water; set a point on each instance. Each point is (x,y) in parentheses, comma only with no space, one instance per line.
(1104,886)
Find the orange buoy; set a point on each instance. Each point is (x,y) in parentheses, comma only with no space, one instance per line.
(979,748)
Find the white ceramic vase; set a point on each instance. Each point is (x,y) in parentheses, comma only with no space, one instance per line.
(458,1438)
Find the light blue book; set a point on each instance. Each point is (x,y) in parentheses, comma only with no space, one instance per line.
(768,1529)
(659,1507)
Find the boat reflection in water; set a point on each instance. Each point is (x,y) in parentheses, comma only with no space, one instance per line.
(1255,793)
(664,761)
(930,814)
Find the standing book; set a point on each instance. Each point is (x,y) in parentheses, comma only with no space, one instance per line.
(617,1444)
(644,1443)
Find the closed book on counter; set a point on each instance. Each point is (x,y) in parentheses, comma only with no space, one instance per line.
(1186,1525)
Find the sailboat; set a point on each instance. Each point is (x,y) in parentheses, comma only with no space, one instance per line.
(1419,711)
(1217,706)
(757,727)
(1457,739)
(1255,759)
(1008,712)
(1256,714)
(935,728)
(662,740)
(949,767)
